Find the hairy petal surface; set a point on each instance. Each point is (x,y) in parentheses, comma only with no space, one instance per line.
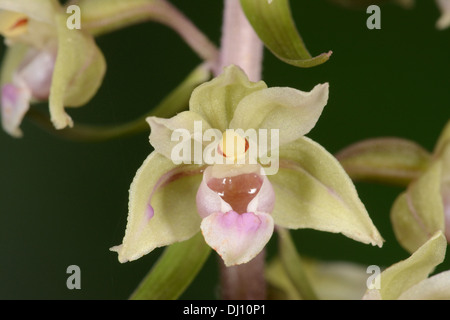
(162,208)
(313,191)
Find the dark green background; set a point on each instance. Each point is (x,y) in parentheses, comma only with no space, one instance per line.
(64,203)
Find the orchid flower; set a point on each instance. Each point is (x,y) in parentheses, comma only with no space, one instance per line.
(236,203)
(45,61)
(424,208)
(408,279)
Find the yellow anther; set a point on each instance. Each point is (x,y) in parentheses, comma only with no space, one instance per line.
(13,24)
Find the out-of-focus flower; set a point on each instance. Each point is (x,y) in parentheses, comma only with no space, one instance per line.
(45,61)
(236,202)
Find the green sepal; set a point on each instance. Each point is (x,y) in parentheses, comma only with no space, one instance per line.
(272,21)
(321,197)
(418,212)
(79,70)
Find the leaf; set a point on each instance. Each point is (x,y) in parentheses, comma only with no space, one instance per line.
(174,270)
(418,213)
(388,160)
(313,191)
(272,21)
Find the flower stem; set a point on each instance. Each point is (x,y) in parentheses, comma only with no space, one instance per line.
(176,101)
(98,22)
(241,46)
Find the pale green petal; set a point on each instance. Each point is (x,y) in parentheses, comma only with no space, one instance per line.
(293,112)
(162,136)
(172,217)
(313,191)
(79,70)
(217,99)
(400,277)
(434,288)
(392,160)
(418,213)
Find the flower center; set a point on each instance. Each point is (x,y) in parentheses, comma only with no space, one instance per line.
(237,191)
(233,146)
(13,24)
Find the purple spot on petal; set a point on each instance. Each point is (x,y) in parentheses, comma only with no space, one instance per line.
(9,94)
(150,212)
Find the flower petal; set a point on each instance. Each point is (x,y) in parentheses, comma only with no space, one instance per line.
(162,208)
(445,189)
(15,103)
(163,139)
(435,288)
(79,70)
(443,140)
(293,112)
(313,191)
(418,213)
(237,238)
(217,99)
(400,277)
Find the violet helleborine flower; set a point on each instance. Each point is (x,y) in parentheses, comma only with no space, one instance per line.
(45,60)
(424,208)
(236,205)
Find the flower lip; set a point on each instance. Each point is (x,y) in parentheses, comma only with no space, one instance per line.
(241,188)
